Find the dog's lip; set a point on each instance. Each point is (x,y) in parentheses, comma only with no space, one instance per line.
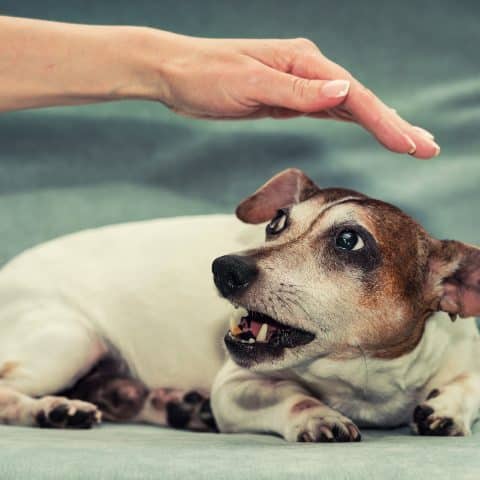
(257,330)
(242,310)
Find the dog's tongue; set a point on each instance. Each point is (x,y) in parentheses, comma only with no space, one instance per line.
(250,325)
(262,332)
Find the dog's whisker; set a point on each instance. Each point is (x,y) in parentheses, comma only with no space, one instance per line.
(365,363)
(284,303)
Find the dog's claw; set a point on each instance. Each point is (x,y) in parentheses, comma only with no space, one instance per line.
(328,429)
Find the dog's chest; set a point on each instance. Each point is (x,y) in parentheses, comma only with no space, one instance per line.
(377,392)
(370,397)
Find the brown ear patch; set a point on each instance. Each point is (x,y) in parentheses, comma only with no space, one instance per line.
(457,267)
(286,188)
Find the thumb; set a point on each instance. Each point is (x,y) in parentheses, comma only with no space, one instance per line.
(302,94)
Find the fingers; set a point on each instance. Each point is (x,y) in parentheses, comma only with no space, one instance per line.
(301,94)
(423,139)
(368,110)
(387,126)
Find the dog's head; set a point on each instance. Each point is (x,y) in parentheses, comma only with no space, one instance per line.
(340,275)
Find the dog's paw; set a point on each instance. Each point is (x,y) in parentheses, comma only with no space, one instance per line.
(184,410)
(60,412)
(120,399)
(321,424)
(438,416)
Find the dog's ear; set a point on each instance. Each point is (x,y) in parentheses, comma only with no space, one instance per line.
(455,267)
(284,189)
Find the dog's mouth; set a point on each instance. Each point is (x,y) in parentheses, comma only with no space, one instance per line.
(257,337)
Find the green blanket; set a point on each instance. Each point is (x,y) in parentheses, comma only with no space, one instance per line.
(62,170)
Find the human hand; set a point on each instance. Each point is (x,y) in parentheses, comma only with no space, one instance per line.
(68,64)
(235,79)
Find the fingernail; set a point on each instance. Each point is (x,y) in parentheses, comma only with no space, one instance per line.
(425,132)
(437,149)
(413,147)
(336,88)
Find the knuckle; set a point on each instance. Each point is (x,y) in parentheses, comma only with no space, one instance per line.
(299,87)
(304,43)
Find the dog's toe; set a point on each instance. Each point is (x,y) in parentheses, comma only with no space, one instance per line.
(185,410)
(426,421)
(329,429)
(58,412)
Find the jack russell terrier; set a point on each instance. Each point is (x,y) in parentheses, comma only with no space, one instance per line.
(341,319)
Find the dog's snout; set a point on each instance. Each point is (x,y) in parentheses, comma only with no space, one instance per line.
(232,273)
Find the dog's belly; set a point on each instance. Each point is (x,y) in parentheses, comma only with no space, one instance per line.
(145,288)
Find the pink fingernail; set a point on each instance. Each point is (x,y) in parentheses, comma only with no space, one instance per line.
(413,147)
(437,150)
(336,88)
(425,132)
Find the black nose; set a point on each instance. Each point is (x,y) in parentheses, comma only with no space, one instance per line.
(232,273)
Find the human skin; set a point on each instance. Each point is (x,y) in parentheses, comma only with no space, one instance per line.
(46,63)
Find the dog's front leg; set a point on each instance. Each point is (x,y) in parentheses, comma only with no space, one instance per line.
(449,410)
(243,401)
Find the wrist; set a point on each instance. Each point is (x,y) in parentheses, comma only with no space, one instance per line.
(145,53)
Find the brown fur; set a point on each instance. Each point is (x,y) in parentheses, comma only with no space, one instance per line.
(392,295)
(7,368)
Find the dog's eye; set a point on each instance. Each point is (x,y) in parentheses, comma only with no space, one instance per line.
(279,222)
(349,240)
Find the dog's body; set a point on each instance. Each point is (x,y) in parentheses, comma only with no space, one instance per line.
(141,289)
(141,294)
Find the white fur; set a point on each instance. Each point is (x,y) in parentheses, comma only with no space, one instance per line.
(145,291)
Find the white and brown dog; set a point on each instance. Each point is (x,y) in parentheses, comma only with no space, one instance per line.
(344,318)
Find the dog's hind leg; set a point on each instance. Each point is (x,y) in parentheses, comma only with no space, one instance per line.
(47,412)
(42,351)
(122,398)
(188,410)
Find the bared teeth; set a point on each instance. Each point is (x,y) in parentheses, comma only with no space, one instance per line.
(233,321)
(262,333)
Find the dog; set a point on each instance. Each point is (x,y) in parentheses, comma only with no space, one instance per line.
(341,318)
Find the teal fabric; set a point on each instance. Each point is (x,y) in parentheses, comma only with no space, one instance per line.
(64,169)
(142,452)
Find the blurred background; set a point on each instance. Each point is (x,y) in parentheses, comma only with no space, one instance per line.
(65,169)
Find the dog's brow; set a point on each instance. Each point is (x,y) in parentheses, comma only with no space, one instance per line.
(328,207)
(344,200)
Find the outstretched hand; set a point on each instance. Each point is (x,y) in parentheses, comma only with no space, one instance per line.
(233,79)
(49,63)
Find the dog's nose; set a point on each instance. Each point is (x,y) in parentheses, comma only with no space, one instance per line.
(232,273)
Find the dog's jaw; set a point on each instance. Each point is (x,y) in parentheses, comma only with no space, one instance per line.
(255,337)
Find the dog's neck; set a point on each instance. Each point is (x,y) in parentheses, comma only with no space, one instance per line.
(364,386)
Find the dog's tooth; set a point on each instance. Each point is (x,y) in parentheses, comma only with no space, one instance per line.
(262,333)
(233,322)
(251,340)
(236,331)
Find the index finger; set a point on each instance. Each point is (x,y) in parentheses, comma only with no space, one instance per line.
(393,132)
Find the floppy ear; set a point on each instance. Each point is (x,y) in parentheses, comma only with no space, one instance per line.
(284,189)
(456,267)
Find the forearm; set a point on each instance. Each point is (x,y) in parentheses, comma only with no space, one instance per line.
(48,63)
